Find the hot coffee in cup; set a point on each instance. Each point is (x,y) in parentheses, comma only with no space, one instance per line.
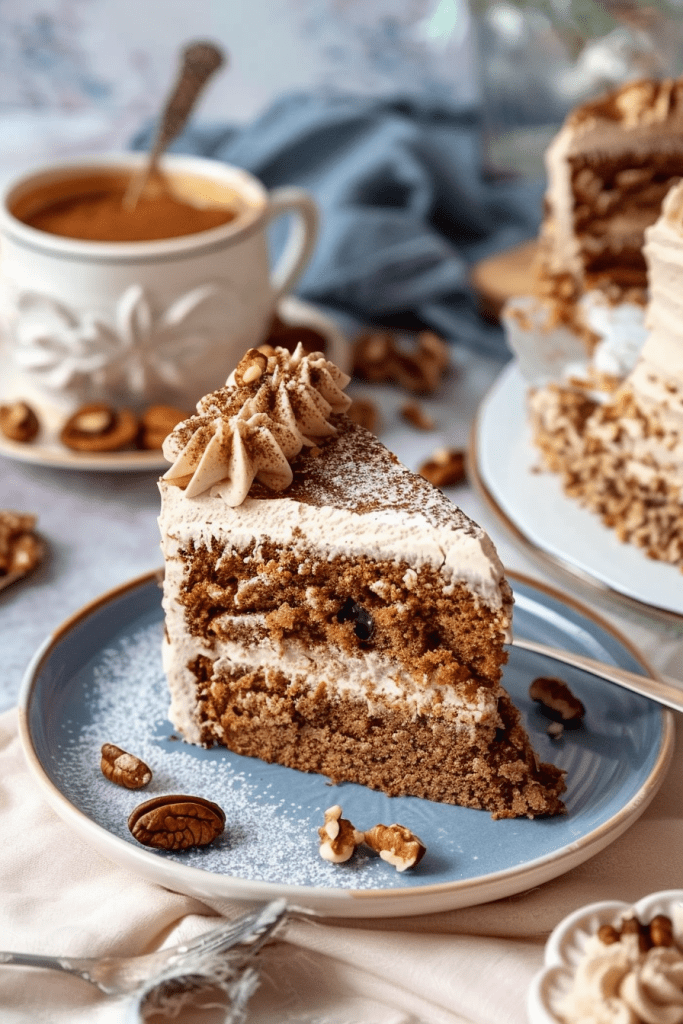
(93,208)
(131,310)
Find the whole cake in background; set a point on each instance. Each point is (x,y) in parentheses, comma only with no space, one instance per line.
(608,171)
(605,395)
(623,457)
(329,610)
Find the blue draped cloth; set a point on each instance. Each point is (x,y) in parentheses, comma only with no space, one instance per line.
(405,206)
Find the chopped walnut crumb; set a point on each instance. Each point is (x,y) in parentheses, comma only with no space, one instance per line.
(418,365)
(446,468)
(363,411)
(414,414)
(338,837)
(20,549)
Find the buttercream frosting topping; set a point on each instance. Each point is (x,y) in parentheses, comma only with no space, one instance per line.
(620,984)
(274,403)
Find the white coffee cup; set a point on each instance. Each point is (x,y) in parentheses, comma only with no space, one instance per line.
(136,323)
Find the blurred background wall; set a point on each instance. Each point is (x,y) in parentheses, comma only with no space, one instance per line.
(81,75)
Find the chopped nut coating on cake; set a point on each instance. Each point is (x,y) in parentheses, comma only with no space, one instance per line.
(352,623)
(623,458)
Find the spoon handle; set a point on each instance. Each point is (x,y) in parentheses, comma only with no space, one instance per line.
(198,63)
(664,691)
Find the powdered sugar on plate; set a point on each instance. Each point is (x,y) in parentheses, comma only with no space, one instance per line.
(272,813)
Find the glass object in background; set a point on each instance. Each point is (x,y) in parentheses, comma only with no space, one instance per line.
(538,60)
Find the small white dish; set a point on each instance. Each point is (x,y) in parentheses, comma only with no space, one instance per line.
(49,451)
(565,947)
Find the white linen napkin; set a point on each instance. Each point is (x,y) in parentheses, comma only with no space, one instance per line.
(469,966)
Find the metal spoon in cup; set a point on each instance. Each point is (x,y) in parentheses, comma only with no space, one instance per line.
(199,62)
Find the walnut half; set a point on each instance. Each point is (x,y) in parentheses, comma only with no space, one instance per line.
(176,822)
(124,769)
(396,844)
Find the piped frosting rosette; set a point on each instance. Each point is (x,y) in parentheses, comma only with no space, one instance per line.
(274,404)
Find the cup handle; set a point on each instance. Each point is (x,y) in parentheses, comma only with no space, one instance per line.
(301,239)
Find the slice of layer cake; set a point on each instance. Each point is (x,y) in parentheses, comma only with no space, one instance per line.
(327,609)
(624,458)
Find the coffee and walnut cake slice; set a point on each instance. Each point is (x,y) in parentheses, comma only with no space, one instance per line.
(329,610)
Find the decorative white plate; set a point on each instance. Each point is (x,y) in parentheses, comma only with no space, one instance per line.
(100,679)
(49,451)
(567,942)
(552,526)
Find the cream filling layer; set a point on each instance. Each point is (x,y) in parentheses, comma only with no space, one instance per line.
(368,678)
(464,555)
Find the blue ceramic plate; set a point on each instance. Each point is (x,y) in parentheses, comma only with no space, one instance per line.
(100,679)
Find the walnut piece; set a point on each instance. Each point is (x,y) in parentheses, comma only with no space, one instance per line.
(176,822)
(157,422)
(250,368)
(363,411)
(19,422)
(396,844)
(414,414)
(338,837)
(20,549)
(373,356)
(99,428)
(445,468)
(124,769)
(659,932)
(557,702)
(417,365)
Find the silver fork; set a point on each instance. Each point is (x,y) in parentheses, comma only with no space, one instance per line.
(661,689)
(218,957)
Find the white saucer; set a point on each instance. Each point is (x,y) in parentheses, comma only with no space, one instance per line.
(48,450)
(552,527)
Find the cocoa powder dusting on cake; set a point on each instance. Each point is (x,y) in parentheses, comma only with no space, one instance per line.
(344,479)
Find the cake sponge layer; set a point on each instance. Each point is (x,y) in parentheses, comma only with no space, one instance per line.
(490,765)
